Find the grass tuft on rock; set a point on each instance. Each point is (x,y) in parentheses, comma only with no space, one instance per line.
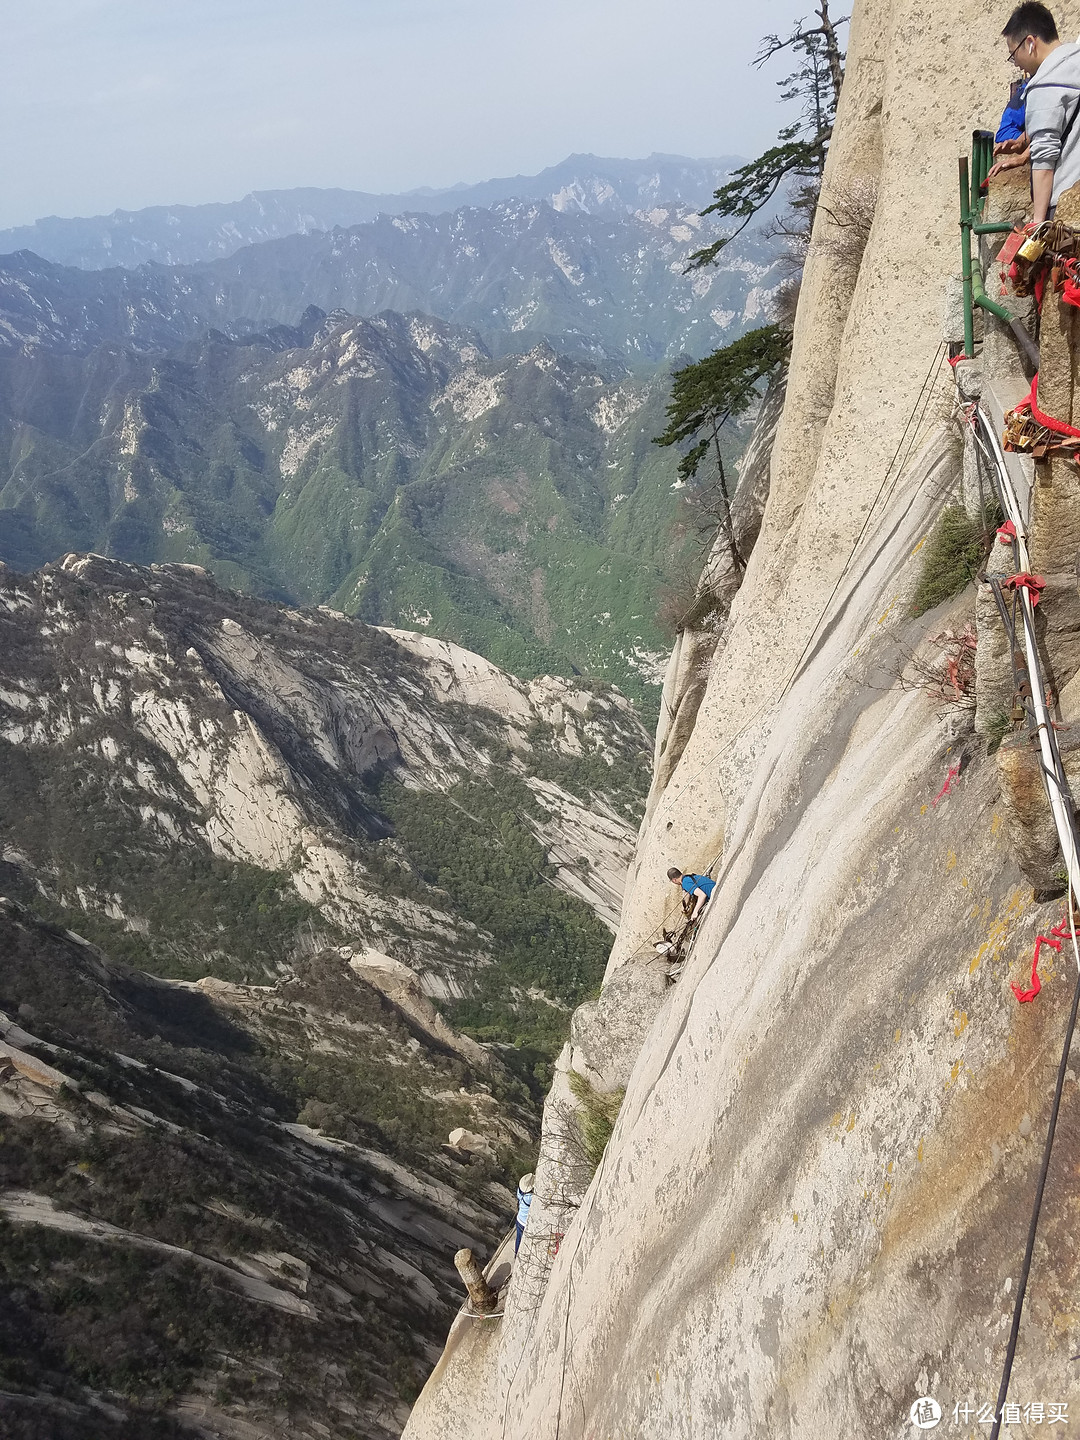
(954,554)
(596,1119)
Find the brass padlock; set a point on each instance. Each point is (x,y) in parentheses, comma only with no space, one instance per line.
(1032,248)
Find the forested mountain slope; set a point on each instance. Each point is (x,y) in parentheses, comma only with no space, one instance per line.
(390,466)
(206,783)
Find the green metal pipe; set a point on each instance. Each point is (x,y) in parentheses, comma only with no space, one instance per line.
(1023,339)
(971,271)
(980,297)
(982,160)
(993,227)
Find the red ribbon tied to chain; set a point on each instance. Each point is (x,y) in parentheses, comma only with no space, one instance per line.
(1033,584)
(1030,404)
(1007,532)
(1071,289)
(1036,984)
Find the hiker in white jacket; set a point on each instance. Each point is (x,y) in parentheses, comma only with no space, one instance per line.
(1051,102)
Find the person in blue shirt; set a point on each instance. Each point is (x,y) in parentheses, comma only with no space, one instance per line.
(1011,148)
(1012,117)
(524,1199)
(698,887)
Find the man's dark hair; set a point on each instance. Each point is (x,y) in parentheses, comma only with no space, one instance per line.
(674,873)
(1031,18)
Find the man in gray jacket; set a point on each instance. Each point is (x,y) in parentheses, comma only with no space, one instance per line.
(1051,102)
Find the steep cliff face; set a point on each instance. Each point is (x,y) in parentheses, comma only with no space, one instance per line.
(814,1204)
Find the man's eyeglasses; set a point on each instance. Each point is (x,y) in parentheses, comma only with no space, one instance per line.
(1012,52)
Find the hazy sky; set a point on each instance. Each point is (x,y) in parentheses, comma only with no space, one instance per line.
(125,103)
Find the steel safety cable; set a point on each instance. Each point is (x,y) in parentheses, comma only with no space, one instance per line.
(1064,818)
(1054,778)
(1040,1188)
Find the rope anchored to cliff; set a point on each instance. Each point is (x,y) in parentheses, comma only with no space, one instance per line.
(1065,822)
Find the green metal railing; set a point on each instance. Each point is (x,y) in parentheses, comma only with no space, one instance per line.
(972,178)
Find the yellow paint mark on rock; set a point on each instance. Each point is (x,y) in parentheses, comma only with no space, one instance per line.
(851,1123)
(950,860)
(795,1217)
(923,809)
(954,1073)
(896,1037)
(889,1167)
(997,935)
(919,546)
(888,610)
(960,1022)
(995,823)
(918,1153)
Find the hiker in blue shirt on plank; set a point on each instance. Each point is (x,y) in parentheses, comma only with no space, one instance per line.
(698,888)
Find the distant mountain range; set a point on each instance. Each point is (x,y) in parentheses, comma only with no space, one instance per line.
(608,287)
(183,234)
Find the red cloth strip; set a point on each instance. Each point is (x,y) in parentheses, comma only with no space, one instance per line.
(1036,984)
(946,789)
(1033,584)
(1031,401)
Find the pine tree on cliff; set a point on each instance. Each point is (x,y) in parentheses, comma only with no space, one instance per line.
(704,397)
(800,149)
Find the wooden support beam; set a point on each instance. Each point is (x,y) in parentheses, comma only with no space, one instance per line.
(482,1297)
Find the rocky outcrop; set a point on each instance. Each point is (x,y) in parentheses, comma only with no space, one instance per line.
(171,1236)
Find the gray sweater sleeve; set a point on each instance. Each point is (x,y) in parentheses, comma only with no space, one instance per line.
(1044,120)
(1051,98)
